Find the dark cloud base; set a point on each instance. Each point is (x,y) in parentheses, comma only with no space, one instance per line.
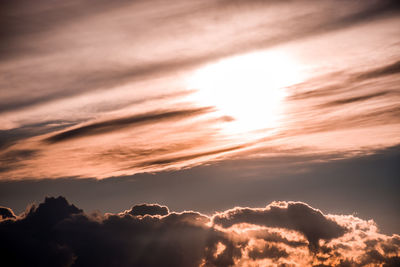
(56,233)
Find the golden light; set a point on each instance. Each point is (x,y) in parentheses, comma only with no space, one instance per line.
(249,88)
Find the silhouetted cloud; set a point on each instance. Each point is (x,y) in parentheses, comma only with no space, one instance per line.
(68,237)
(6,213)
(148,209)
(293,215)
(56,233)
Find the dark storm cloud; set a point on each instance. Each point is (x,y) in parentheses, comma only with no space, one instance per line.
(296,216)
(56,233)
(117,124)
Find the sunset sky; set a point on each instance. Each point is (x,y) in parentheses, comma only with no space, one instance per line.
(260,132)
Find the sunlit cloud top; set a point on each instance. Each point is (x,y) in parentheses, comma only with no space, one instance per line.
(124,87)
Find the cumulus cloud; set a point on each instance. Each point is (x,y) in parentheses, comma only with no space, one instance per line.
(59,234)
(56,233)
(148,209)
(292,215)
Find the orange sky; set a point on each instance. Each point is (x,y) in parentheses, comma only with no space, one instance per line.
(240,133)
(116,81)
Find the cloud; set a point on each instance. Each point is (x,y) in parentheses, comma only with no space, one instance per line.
(26,34)
(20,18)
(12,136)
(6,213)
(268,251)
(68,236)
(56,233)
(354,99)
(51,85)
(13,159)
(292,215)
(148,209)
(170,160)
(389,69)
(25,21)
(119,123)
(94,66)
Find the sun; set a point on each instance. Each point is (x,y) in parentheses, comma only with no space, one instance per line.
(249,88)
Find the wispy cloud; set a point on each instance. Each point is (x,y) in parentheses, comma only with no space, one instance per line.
(178,159)
(120,123)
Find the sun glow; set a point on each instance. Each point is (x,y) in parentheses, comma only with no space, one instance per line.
(248,88)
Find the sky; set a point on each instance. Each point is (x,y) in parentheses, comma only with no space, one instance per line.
(233,123)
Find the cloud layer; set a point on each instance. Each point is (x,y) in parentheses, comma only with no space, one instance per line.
(56,233)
